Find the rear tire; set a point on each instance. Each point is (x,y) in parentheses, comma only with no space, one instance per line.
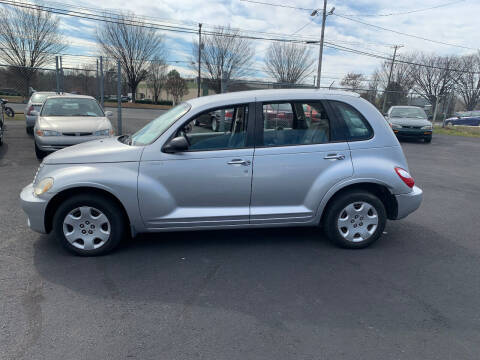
(40,154)
(83,212)
(355,219)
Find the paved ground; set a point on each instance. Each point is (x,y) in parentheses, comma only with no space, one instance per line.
(262,294)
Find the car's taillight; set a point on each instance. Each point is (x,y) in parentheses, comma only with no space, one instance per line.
(30,109)
(405,176)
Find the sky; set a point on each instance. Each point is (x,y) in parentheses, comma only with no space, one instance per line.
(452,23)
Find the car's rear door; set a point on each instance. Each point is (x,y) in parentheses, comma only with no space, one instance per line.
(295,164)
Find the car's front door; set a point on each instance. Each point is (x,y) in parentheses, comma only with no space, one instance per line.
(209,184)
(296,162)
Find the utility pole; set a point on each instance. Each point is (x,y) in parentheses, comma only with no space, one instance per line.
(61,76)
(119,98)
(395,48)
(57,75)
(101,81)
(98,82)
(199,57)
(322,36)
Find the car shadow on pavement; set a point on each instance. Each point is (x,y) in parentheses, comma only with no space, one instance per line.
(274,275)
(3,150)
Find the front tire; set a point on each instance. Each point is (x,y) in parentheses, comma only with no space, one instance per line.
(40,154)
(89,225)
(355,220)
(428,140)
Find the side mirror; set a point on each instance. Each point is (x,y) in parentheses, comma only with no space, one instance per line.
(177,144)
(108,113)
(34,113)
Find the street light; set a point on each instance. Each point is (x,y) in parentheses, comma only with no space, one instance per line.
(320,54)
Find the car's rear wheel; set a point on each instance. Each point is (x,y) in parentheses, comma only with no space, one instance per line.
(40,153)
(89,225)
(214,124)
(355,220)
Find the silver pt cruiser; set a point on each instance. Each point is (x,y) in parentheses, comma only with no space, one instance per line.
(282,158)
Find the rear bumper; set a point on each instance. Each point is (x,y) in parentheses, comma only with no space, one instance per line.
(408,203)
(30,121)
(35,208)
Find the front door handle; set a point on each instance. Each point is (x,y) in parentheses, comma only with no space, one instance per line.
(334,157)
(239,162)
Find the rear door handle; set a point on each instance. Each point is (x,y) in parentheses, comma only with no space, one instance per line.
(334,157)
(239,162)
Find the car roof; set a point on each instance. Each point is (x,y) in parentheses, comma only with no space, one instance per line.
(405,107)
(270,95)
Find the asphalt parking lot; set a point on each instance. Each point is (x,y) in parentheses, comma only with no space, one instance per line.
(256,294)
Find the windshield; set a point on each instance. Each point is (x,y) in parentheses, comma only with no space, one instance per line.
(150,132)
(39,97)
(71,107)
(413,112)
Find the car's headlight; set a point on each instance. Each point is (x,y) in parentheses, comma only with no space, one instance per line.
(106,132)
(48,133)
(427,127)
(43,186)
(395,126)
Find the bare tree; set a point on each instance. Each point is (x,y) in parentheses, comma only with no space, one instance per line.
(435,76)
(225,54)
(468,83)
(288,62)
(176,86)
(353,81)
(28,38)
(157,72)
(127,40)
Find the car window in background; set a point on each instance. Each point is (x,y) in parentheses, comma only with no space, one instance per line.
(408,113)
(357,127)
(150,132)
(71,107)
(39,98)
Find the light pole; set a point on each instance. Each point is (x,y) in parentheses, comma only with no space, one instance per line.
(199,58)
(322,36)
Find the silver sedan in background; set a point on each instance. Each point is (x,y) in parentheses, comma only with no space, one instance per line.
(33,107)
(69,120)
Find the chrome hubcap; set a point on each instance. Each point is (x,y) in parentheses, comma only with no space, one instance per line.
(86,228)
(357,221)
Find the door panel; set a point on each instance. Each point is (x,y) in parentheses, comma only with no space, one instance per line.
(289,182)
(196,189)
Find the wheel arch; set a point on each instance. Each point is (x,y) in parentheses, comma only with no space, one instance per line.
(55,202)
(378,189)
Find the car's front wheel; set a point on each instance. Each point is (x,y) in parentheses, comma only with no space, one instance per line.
(40,154)
(89,225)
(355,219)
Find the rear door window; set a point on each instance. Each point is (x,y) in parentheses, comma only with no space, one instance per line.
(295,123)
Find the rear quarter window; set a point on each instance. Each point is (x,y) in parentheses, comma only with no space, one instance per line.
(357,127)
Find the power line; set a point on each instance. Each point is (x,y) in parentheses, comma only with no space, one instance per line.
(407,11)
(277,5)
(172,28)
(404,34)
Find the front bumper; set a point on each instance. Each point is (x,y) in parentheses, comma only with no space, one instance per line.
(416,133)
(52,143)
(35,208)
(408,203)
